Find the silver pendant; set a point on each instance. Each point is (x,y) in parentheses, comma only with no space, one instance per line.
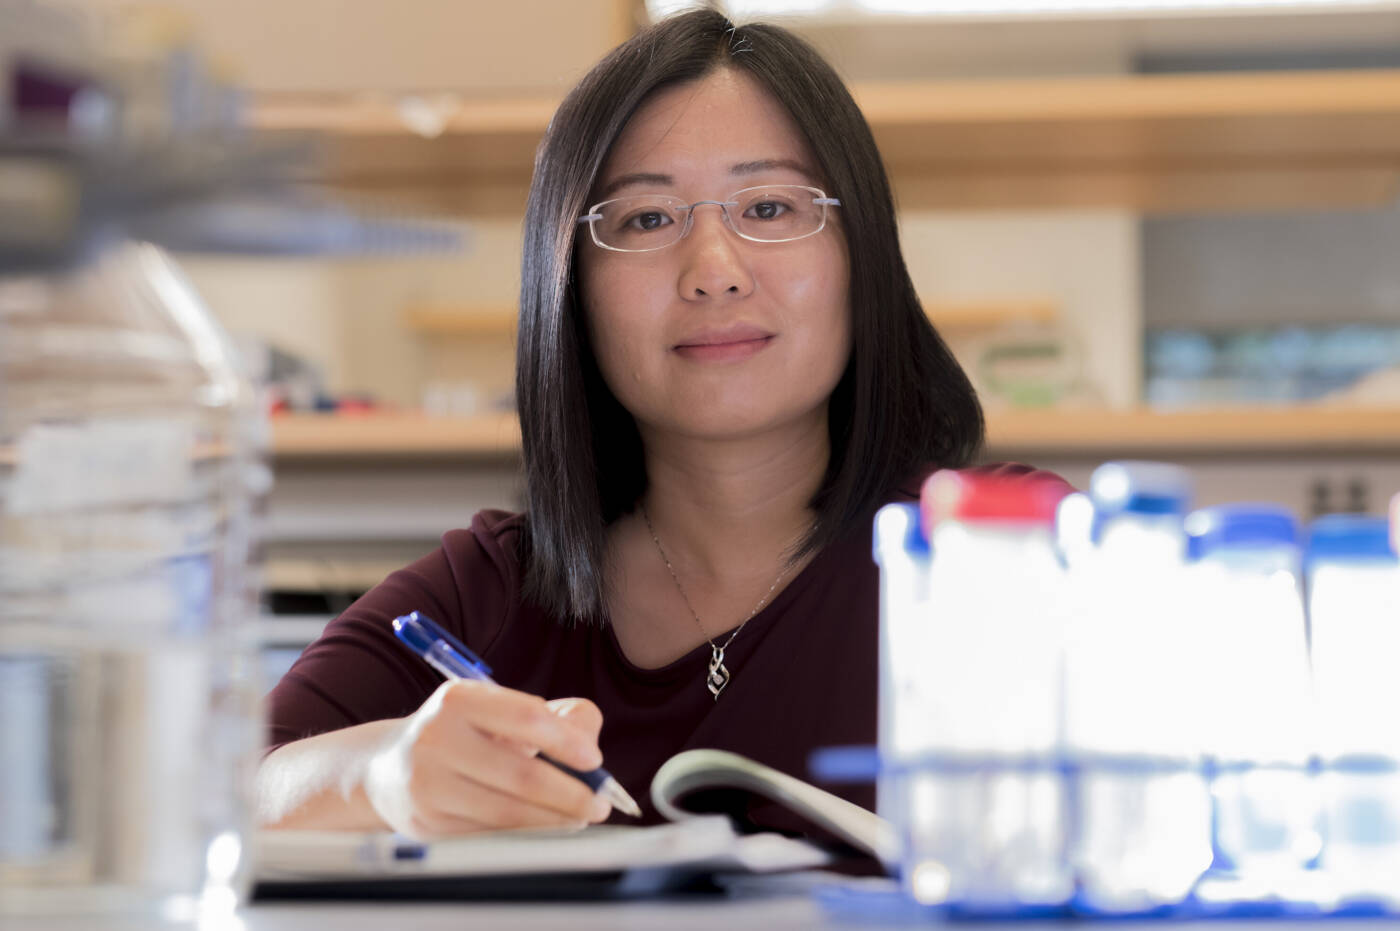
(719,676)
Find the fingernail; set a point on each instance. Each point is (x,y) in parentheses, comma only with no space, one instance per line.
(601,808)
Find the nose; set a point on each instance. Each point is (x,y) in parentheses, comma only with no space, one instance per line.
(713,258)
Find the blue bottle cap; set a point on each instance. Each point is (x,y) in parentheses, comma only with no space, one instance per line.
(1239,525)
(1350,536)
(1129,487)
(1140,487)
(897,528)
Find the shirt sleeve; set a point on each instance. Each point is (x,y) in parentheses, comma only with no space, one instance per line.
(358,671)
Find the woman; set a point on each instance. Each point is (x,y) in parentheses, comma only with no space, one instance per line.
(716,391)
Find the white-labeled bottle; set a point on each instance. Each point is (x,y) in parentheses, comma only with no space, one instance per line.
(1245,577)
(1132,679)
(973,663)
(1353,579)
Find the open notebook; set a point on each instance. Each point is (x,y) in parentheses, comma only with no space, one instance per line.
(703,793)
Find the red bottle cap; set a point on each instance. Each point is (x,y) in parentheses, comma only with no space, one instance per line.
(971,496)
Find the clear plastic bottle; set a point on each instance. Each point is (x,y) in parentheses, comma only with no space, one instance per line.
(1354,619)
(972,688)
(902,553)
(130,462)
(1133,692)
(1246,580)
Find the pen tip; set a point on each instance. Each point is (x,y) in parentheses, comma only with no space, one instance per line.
(621,800)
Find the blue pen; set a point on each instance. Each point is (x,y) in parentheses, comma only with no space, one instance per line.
(449,656)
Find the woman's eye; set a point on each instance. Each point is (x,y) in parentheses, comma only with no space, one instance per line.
(647,220)
(767,210)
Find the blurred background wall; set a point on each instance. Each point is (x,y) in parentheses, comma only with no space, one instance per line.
(1147,233)
(1109,270)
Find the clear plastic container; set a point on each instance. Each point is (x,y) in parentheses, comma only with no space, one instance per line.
(970,685)
(1134,692)
(902,552)
(1245,579)
(1354,618)
(130,464)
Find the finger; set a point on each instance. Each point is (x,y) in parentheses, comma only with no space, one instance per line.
(475,802)
(480,757)
(523,719)
(576,712)
(581,713)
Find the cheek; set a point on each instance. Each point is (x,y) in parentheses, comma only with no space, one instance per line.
(614,309)
(822,296)
(839,294)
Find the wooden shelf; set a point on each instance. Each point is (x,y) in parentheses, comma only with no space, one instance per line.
(1024,433)
(301,436)
(1148,142)
(324,573)
(1283,429)
(990,314)
(461,320)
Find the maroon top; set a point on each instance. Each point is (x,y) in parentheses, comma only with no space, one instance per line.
(804,669)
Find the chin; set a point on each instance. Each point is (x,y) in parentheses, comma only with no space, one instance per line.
(718,421)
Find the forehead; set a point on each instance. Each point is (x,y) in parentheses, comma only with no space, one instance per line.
(705,127)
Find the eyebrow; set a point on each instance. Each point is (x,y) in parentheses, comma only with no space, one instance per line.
(739,169)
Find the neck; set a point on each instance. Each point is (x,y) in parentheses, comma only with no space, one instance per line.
(725,508)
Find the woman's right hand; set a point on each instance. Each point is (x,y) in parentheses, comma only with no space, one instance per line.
(467,760)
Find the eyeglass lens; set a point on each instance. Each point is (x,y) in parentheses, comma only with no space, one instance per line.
(767,214)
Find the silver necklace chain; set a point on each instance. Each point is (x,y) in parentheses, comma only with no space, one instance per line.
(718,676)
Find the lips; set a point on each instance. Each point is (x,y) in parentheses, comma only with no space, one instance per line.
(727,336)
(729,344)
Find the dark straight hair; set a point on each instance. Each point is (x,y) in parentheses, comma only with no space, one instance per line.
(902,406)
